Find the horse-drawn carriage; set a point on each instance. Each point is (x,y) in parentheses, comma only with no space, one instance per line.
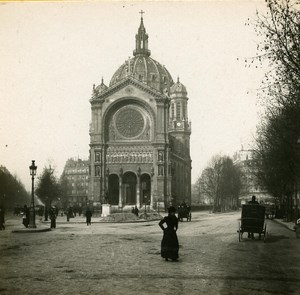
(184,211)
(252,221)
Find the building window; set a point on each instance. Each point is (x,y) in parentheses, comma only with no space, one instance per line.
(184,110)
(97,157)
(178,110)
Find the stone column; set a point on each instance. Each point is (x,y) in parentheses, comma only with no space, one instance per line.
(138,188)
(121,188)
(151,191)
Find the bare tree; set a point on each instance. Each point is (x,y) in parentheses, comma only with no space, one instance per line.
(48,189)
(220,182)
(277,144)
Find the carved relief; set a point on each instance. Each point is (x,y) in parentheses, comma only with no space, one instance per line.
(97,156)
(129,156)
(160,170)
(160,156)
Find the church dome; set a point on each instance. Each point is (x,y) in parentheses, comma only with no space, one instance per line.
(101,87)
(146,70)
(178,87)
(142,67)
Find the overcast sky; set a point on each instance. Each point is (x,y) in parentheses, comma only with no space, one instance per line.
(52,53)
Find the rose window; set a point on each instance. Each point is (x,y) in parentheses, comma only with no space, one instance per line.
(130,122)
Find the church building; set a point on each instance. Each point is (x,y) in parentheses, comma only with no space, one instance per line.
(140,135)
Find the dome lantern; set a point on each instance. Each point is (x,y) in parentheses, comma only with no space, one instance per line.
(141,40)
(142,67)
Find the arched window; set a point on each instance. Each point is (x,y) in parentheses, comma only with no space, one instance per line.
(184,110)
(172,110)
(178,110)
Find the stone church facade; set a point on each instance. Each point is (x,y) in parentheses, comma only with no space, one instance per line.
(140,135)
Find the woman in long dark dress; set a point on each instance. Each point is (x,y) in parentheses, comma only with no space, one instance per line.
(169,243)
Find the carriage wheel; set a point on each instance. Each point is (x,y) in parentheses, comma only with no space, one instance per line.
(265,233)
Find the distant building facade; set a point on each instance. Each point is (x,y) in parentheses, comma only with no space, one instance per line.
(245,160)
(75,182)
(140,135)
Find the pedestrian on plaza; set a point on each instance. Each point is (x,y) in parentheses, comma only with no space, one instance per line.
(52,215)
(88,215)
(79,210)
(69,213)
(2,219)
(25,216)
(136,211)
(169,243)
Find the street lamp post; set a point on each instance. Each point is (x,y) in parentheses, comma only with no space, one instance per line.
(32,209)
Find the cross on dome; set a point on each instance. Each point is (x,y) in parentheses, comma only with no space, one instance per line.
(141,12)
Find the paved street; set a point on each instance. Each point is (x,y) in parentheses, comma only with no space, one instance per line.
(110,258)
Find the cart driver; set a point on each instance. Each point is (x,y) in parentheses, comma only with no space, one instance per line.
(253,201)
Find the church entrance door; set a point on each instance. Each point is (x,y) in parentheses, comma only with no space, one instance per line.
(145,189)
(113,189)
(129,188)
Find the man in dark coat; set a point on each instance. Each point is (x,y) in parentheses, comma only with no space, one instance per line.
(53,215)
(252,202)
(88,215)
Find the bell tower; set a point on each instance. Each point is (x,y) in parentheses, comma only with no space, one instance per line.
(179,134)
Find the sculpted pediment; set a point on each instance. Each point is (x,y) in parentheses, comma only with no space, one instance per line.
(130,87)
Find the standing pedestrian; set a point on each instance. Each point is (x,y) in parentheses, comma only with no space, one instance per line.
(88,215)
(69,213)
(2,219)
(169,243)
(53,215)
(136,211)
(25,216)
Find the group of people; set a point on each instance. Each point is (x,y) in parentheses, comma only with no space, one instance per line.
(135,211)
(53,213)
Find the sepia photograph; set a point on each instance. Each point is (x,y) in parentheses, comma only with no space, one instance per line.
(150,147)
